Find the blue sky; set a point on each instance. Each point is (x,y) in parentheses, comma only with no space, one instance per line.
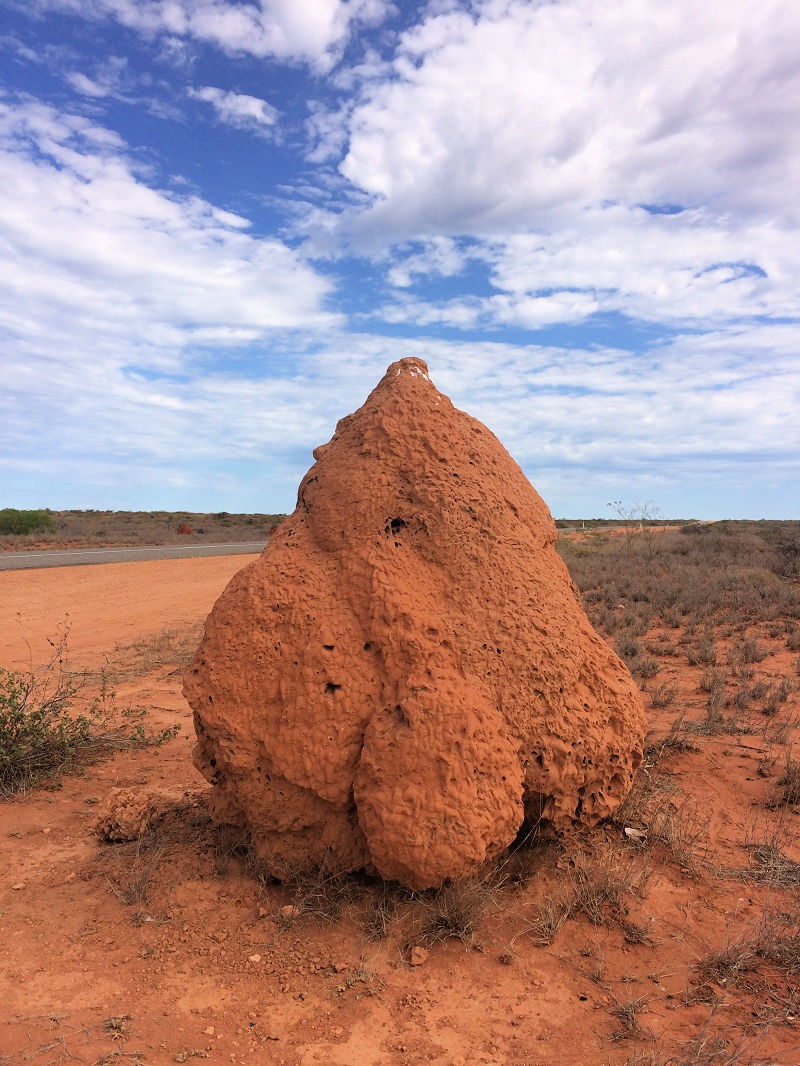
(220,221)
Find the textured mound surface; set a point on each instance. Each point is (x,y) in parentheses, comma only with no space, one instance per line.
(406,674)
(127,813)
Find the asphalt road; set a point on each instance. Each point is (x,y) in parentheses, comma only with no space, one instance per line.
(88,556)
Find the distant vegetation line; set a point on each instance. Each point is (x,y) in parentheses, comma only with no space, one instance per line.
(81,528)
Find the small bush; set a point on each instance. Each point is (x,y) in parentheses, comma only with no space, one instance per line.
(712,680)
(41,737)
(751,651)
(18,522)
(627,647)
(663,695)
(704,651)
(37,735)
(790,782)
(646,667)
(777,694)
(455,911)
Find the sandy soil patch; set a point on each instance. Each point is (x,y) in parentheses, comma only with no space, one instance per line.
(105,605)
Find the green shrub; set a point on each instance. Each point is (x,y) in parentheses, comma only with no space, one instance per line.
(37,736)
(41,736)
(14,521)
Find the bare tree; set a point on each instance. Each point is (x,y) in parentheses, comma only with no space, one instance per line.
(638,521)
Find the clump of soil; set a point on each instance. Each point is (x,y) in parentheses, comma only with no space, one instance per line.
(406,678)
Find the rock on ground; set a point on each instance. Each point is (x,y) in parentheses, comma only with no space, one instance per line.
(406,679)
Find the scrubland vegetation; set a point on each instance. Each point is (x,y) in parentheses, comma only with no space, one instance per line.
(20,530)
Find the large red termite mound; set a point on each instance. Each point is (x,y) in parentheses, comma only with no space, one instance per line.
(406,675)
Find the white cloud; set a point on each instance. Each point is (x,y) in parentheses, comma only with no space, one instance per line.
(86,86)
(441,257)
(115,298)
(96,260)
(516,116)
(561,137)
(674,269)
(312,31)
(237,109)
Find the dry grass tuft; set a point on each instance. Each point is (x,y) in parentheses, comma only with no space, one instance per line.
(663,695)
(597,888)
(455,911)
(678,738)
(171,646)
(790,781)
(381,916)
(766,844)
(627,1013)
(322,895)
(772,941)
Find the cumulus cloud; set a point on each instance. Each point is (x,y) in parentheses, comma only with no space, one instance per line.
(115,297)
(631,157)
(314,31)
(440,257)
(676,269)
(521,113)
(95,258)
(238,109)
(503,165)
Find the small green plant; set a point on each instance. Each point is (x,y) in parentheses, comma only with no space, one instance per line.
(41,736)
(20,522)
(37,735)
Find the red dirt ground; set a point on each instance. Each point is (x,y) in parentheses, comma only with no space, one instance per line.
(171,949)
